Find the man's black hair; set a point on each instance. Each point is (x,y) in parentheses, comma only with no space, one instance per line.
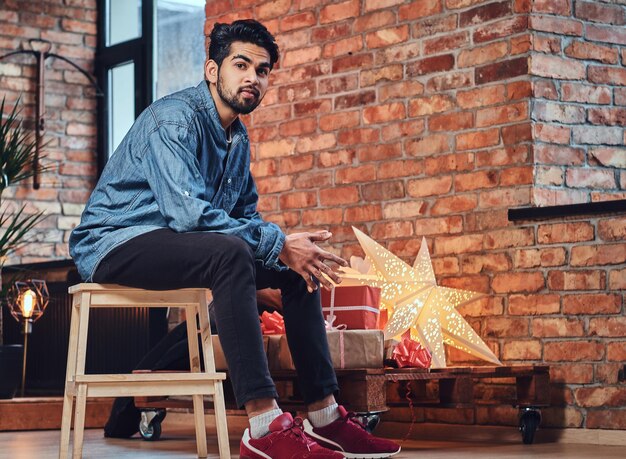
(245,30)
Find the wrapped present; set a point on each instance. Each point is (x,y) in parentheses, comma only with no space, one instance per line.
(272,323)
(357,307)
(348,349)
(218,353)
(273,354)
(410,353)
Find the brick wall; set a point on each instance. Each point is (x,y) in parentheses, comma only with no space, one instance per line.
(434,117)
(70,113)
(580,100)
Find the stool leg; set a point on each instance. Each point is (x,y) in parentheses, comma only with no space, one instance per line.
(198,414)
(194,362)
(68,397)
(218,397)
(79,420)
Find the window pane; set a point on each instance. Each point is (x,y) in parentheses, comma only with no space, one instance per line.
(180,48)
(124,20)
(121,101)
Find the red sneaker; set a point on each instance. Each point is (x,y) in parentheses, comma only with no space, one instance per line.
(349,436)
(286,440)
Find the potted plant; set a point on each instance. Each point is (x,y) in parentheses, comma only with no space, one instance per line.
(17,152)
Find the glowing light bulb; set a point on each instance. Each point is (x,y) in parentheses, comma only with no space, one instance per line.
(28,303)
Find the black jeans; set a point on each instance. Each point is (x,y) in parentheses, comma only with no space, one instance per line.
(165,260)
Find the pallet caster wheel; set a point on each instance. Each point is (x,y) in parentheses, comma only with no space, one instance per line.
(150,424)
(369,420)
(529,420)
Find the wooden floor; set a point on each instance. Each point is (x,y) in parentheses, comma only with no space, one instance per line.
(180,444)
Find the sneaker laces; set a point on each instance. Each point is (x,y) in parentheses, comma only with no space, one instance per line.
(297,431)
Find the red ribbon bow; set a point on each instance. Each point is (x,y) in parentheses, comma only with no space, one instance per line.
(410,353)
(272,324)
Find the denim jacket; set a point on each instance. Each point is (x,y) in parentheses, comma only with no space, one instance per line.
(174,170)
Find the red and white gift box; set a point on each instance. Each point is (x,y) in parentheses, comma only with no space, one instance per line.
(356,307)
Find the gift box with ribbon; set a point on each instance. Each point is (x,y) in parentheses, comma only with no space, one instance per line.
(357,307)
(272,323)
(407,353)
(348,349)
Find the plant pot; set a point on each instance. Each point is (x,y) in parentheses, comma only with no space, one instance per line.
(10,369)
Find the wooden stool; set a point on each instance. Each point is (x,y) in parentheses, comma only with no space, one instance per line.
(195,383)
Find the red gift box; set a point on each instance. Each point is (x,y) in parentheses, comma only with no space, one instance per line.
(357,307)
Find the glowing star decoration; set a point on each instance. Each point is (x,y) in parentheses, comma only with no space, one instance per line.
(415,302)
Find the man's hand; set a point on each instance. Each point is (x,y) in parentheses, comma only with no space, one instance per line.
(301,253)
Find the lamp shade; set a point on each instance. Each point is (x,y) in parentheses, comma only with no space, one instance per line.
(28,299)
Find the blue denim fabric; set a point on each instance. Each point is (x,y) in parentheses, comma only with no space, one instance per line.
(174,170)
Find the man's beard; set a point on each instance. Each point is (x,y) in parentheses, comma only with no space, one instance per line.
(243,107)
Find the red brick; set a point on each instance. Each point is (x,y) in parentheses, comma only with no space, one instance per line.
(606,419)
(493,262)
(450,265)
(608,117)
(484,13)
(558,7)
(71,25)
(617,279)
(600,396)
(447,81)
(301,56)
(613,229)
(405,168)
(267,203)
(521,350)
(418,9)
(346,46)
(571,373)
(454,4)
(440,225)
(508,238)
(313,179)
(620,93)
(576,280)
(502,327)
(598,135)
(431,26)
(382,191)
(548,44)
(355,100)
(271,114)
(273,9)
(481,97)
(296,127)
(340,120)
(401,89)
(576,92)
(388,73)
(451,122)
(430,65)
(458,244)
(331,32)
(590,178)
(513,135)
(616,351)
(389,230)
(544,89)
(501,70)
(501,29)
(379,152)
(446,43)
(316,217)
(410,128)
(315,143)
(573,351)
(453,204)
(429,186)
(475,180)
(387,37)
(297,21)
(338,84)
(559,155)
(533,258)
(609,327)
(533,304)
(404,209)
(421,106)
(355,174)
(502,114)
(336,158)
(264,168)
(357,136)
(556,67)
(557,327)
(374,20)
(339,11)
(482,55)
(427,146)
(339,196)
(366,213)
(517,282)
(268,185)
(551,133)
(591,51)
(295,164)
(384,113)
(448,163)
(565,232)
(550,24)
(396,54)
(607,75)
(598,12)
(478,139)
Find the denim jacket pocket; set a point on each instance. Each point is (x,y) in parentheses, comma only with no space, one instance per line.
(231,189)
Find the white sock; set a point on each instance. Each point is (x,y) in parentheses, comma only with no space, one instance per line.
(260,424)
(325,416)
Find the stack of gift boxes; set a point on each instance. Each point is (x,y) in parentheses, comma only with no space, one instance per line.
(354,328)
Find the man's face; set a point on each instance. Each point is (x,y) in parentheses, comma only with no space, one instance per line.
(243,77)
